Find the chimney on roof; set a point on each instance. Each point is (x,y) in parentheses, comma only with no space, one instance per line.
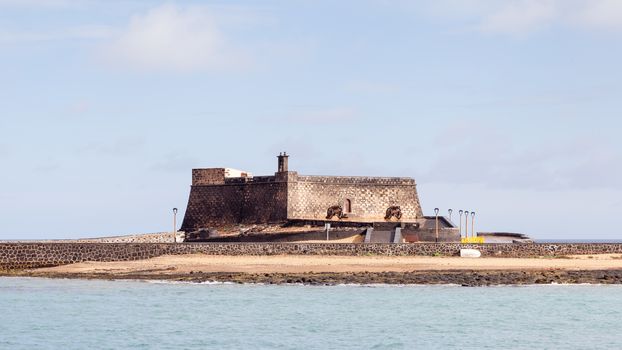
(283,157)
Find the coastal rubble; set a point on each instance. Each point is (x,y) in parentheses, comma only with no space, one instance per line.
(469,278)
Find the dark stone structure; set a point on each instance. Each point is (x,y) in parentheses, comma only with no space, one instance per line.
(32,255)
(222,196)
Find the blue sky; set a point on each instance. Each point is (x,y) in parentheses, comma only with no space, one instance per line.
(509,108)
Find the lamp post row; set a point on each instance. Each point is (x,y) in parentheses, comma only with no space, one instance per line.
(174,225)
(466,222)
(436,223)
(436,211)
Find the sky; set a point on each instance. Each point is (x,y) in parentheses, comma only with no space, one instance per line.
(511,109)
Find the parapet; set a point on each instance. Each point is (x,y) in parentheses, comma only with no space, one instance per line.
(216,176)
(357,180)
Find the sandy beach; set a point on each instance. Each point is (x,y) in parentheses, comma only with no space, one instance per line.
(601,269)
(307,263)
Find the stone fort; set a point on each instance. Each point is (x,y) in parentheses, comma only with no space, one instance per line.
(224,196)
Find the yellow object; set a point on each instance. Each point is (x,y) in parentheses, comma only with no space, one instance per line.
(476,240)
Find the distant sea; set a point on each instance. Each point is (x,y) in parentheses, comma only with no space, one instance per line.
(554,240)
(81,314)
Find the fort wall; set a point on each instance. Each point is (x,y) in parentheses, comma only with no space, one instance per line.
(368,197)
(33,255)
(236,201)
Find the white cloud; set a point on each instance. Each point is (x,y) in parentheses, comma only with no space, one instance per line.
(480,155)
(172,38)
(521,17)
(606,14)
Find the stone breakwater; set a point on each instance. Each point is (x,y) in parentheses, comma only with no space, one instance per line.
(463,277)
(14,256)
(159,237)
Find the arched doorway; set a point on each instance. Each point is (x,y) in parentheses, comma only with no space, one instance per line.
(347,206)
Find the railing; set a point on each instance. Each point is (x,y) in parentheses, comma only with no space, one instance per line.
(473,240)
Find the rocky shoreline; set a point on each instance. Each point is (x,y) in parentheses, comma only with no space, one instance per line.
(462,277)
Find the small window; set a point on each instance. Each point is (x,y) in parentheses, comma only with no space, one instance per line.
(348,206)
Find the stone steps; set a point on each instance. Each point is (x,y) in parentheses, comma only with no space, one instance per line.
(382,237)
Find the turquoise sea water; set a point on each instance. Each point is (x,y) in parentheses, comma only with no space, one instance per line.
(78,314)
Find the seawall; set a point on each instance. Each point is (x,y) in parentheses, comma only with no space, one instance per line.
(32,255)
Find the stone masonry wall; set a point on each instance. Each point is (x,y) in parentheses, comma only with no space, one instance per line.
(310,196)
(32,255)
(159,237)
(208,176)
(236,202)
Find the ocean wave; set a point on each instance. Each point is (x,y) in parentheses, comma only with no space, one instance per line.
(187,282)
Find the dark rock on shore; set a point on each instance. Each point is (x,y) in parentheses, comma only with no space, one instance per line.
(462,277)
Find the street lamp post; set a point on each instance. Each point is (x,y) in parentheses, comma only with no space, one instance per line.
(460,229)
(174,224)
(473,233)
(466,223)
(436,221)
(450,211)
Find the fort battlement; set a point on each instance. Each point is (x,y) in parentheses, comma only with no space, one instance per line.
(217,176)
(353,180)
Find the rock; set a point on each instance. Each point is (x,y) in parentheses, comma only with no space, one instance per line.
(470,253)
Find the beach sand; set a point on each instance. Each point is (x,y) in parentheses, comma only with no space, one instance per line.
(309,263)
(330,270)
